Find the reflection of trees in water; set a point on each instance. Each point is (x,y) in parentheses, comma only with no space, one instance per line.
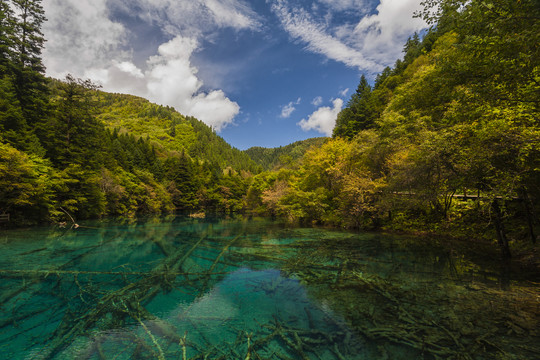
(441,306)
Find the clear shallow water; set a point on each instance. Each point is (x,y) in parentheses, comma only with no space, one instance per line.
(180,288)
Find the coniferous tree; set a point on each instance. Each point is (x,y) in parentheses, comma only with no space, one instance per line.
(28,68)
(21,73)
(10,116)
(412,49)
(358,115)
(29,39)
(6,37)
(75,136)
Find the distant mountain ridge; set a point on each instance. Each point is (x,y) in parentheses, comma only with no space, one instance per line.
(270,158)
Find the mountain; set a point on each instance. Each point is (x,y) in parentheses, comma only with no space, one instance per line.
(75,152)
(270,158)
(447,141)
(169,130)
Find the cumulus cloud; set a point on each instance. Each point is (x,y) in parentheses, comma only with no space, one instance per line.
(82,40)
(80,37)
(288,109)
(383,33)
(371,43)
(323,119)
(171,79)
(317,101)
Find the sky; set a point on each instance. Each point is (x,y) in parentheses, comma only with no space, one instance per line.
(260,72)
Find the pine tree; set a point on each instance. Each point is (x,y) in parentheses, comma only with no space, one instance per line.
(76,134)
(6,37)
(358,115)
(28,42)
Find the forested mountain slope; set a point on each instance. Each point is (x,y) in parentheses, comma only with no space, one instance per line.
(93,154)
(270,158)
(448,140)
(445,141)
(164,126)
(68,150)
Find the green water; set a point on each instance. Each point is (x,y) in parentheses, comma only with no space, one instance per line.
(182,288)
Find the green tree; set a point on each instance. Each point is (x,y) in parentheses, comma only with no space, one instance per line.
(74,134)
(26,186)
(182,181)
(358,115)
(13,115)
(28,69)
(6,37)
(498,54)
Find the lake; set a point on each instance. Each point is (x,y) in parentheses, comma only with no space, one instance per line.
(237,288)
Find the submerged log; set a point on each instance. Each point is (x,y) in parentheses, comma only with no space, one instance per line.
(133,294)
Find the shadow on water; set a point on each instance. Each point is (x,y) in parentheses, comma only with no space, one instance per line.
(182,288)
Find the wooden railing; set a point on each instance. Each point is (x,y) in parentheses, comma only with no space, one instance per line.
(4,217)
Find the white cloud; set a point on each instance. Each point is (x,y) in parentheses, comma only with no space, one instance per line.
(83,41)
(80,37)
(170,76)
(384,33)
(370,44)
(300,25)
(232,13)
(341,5)
(288,109)
(130,68)
(171,79)
(191,18)
(317,101)
(344,92)
(323,119)
(215,108)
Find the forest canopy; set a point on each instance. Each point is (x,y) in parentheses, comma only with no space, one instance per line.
(69,149)
(446,141)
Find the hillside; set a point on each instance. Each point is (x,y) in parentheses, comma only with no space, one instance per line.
(446,141)
(72,151)
(164,127)
(270,158)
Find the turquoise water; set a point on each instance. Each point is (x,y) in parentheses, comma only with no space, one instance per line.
(182,288)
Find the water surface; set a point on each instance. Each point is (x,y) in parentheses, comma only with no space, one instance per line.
(182,288)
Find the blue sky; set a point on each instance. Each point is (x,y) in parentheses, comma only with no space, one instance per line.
(260,72)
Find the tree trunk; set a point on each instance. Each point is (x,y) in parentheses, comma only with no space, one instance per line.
(528,214)
(501,234)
